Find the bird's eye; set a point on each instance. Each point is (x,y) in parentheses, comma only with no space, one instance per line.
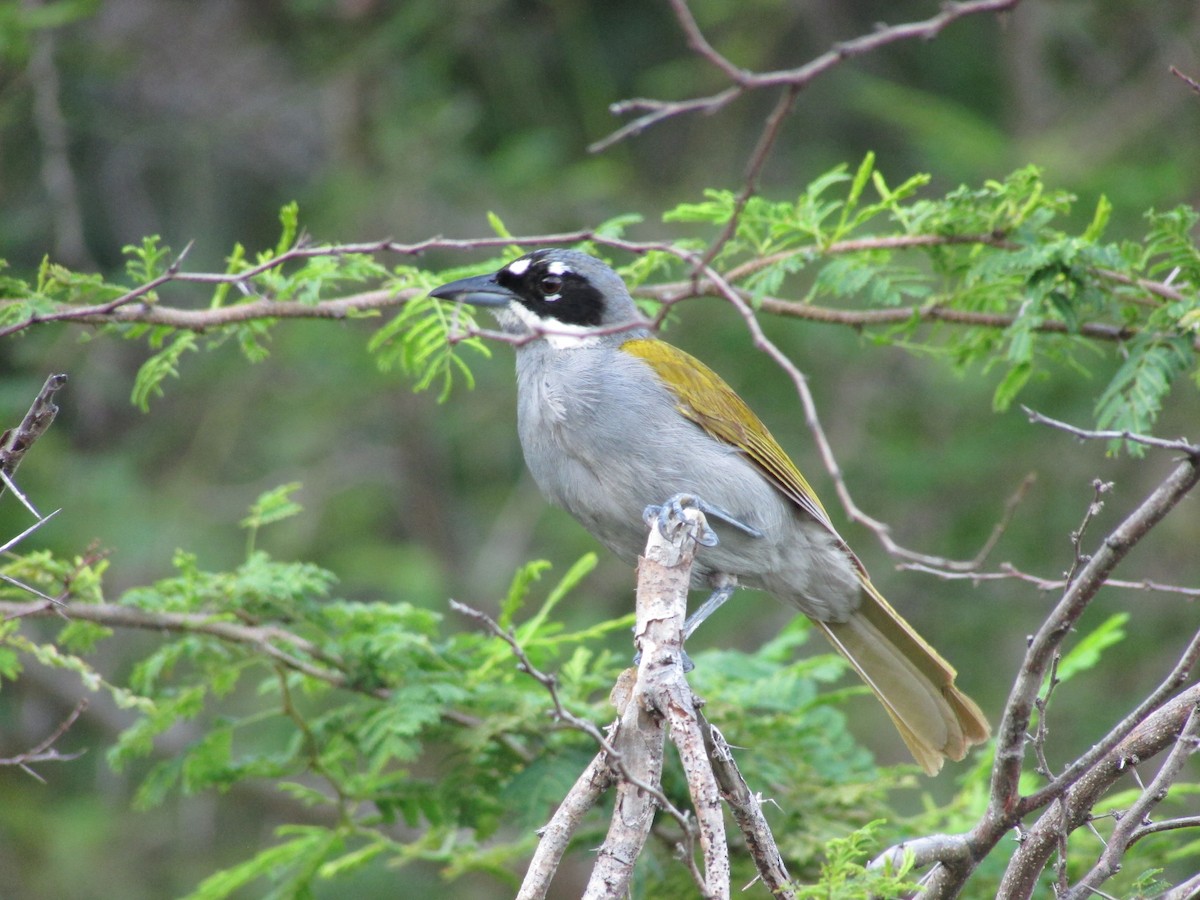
(550,285)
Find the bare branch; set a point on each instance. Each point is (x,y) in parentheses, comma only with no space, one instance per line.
(1180,445)
(1190,82)
(1127,827)
(15,442)
(44,751)
(1142,729)
(758,159)
(655,111)
(1153,735)
(1010,743)
(746,809)
(597,778)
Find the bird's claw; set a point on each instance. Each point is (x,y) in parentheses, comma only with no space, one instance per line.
(675,506)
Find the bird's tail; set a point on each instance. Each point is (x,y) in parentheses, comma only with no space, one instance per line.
(911,680)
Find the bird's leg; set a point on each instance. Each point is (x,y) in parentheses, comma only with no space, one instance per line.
(721,592)
(707,538)
(726,584)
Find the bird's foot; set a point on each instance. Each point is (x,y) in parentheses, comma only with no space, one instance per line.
(674,507)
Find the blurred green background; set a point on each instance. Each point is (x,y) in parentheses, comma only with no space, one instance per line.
(198,120)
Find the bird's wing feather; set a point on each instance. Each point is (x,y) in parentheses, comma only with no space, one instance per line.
(703,397)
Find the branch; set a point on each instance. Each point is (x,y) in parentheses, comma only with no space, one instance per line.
(1126,830)
(1010,749)
(15,442)
(1180,445)
(267,639)
(747,811)
(555,837)
(654,695)
(44,751)
(655,111)
(1006,806)
(1039,842)
(790,81)
(1192,83)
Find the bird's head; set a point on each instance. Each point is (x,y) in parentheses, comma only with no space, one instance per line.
(564,296)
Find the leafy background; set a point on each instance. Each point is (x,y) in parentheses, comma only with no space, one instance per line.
(197,122)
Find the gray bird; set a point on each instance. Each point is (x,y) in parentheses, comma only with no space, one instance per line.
(613,420)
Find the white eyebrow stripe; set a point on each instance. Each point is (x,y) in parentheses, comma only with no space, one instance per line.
(556,268)
(518,266)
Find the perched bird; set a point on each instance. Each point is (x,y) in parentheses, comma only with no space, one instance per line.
(613,420)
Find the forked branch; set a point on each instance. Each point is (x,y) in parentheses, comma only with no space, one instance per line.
(652,701)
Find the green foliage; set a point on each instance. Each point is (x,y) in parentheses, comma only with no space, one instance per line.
(383,716)
(419,740)
(986,277)
(418,339)
(1008,286)
(844,875)
(1087,650)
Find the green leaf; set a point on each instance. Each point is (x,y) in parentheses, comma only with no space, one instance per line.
(289,218)
(355,859)
(146,260)
(1087,651)
(569,581)
(273,506)
(1134,397)
(159,367)
(80,636)
(1100,217)
(518,589)
(309,844)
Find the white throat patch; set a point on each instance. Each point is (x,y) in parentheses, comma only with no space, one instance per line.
(559,335)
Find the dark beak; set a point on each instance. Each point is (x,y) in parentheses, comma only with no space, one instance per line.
(481,290)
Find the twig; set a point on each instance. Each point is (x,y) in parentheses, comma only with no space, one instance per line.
(1153,734)
(655,111)
(1010,748)
(790,82)
(1127,827)
(550,683)
(15,442)
(1180,445)
(762,151)
(43,751)
(1006,806)
(1194,85)
(1166,825)
(1008,571)
(1157,698)
(747,812)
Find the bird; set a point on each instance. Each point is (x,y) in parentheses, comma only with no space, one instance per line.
(616,424)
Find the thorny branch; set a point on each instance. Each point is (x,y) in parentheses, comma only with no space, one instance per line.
(15,442)
(1158,722)
(652,700)
(1151,725)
